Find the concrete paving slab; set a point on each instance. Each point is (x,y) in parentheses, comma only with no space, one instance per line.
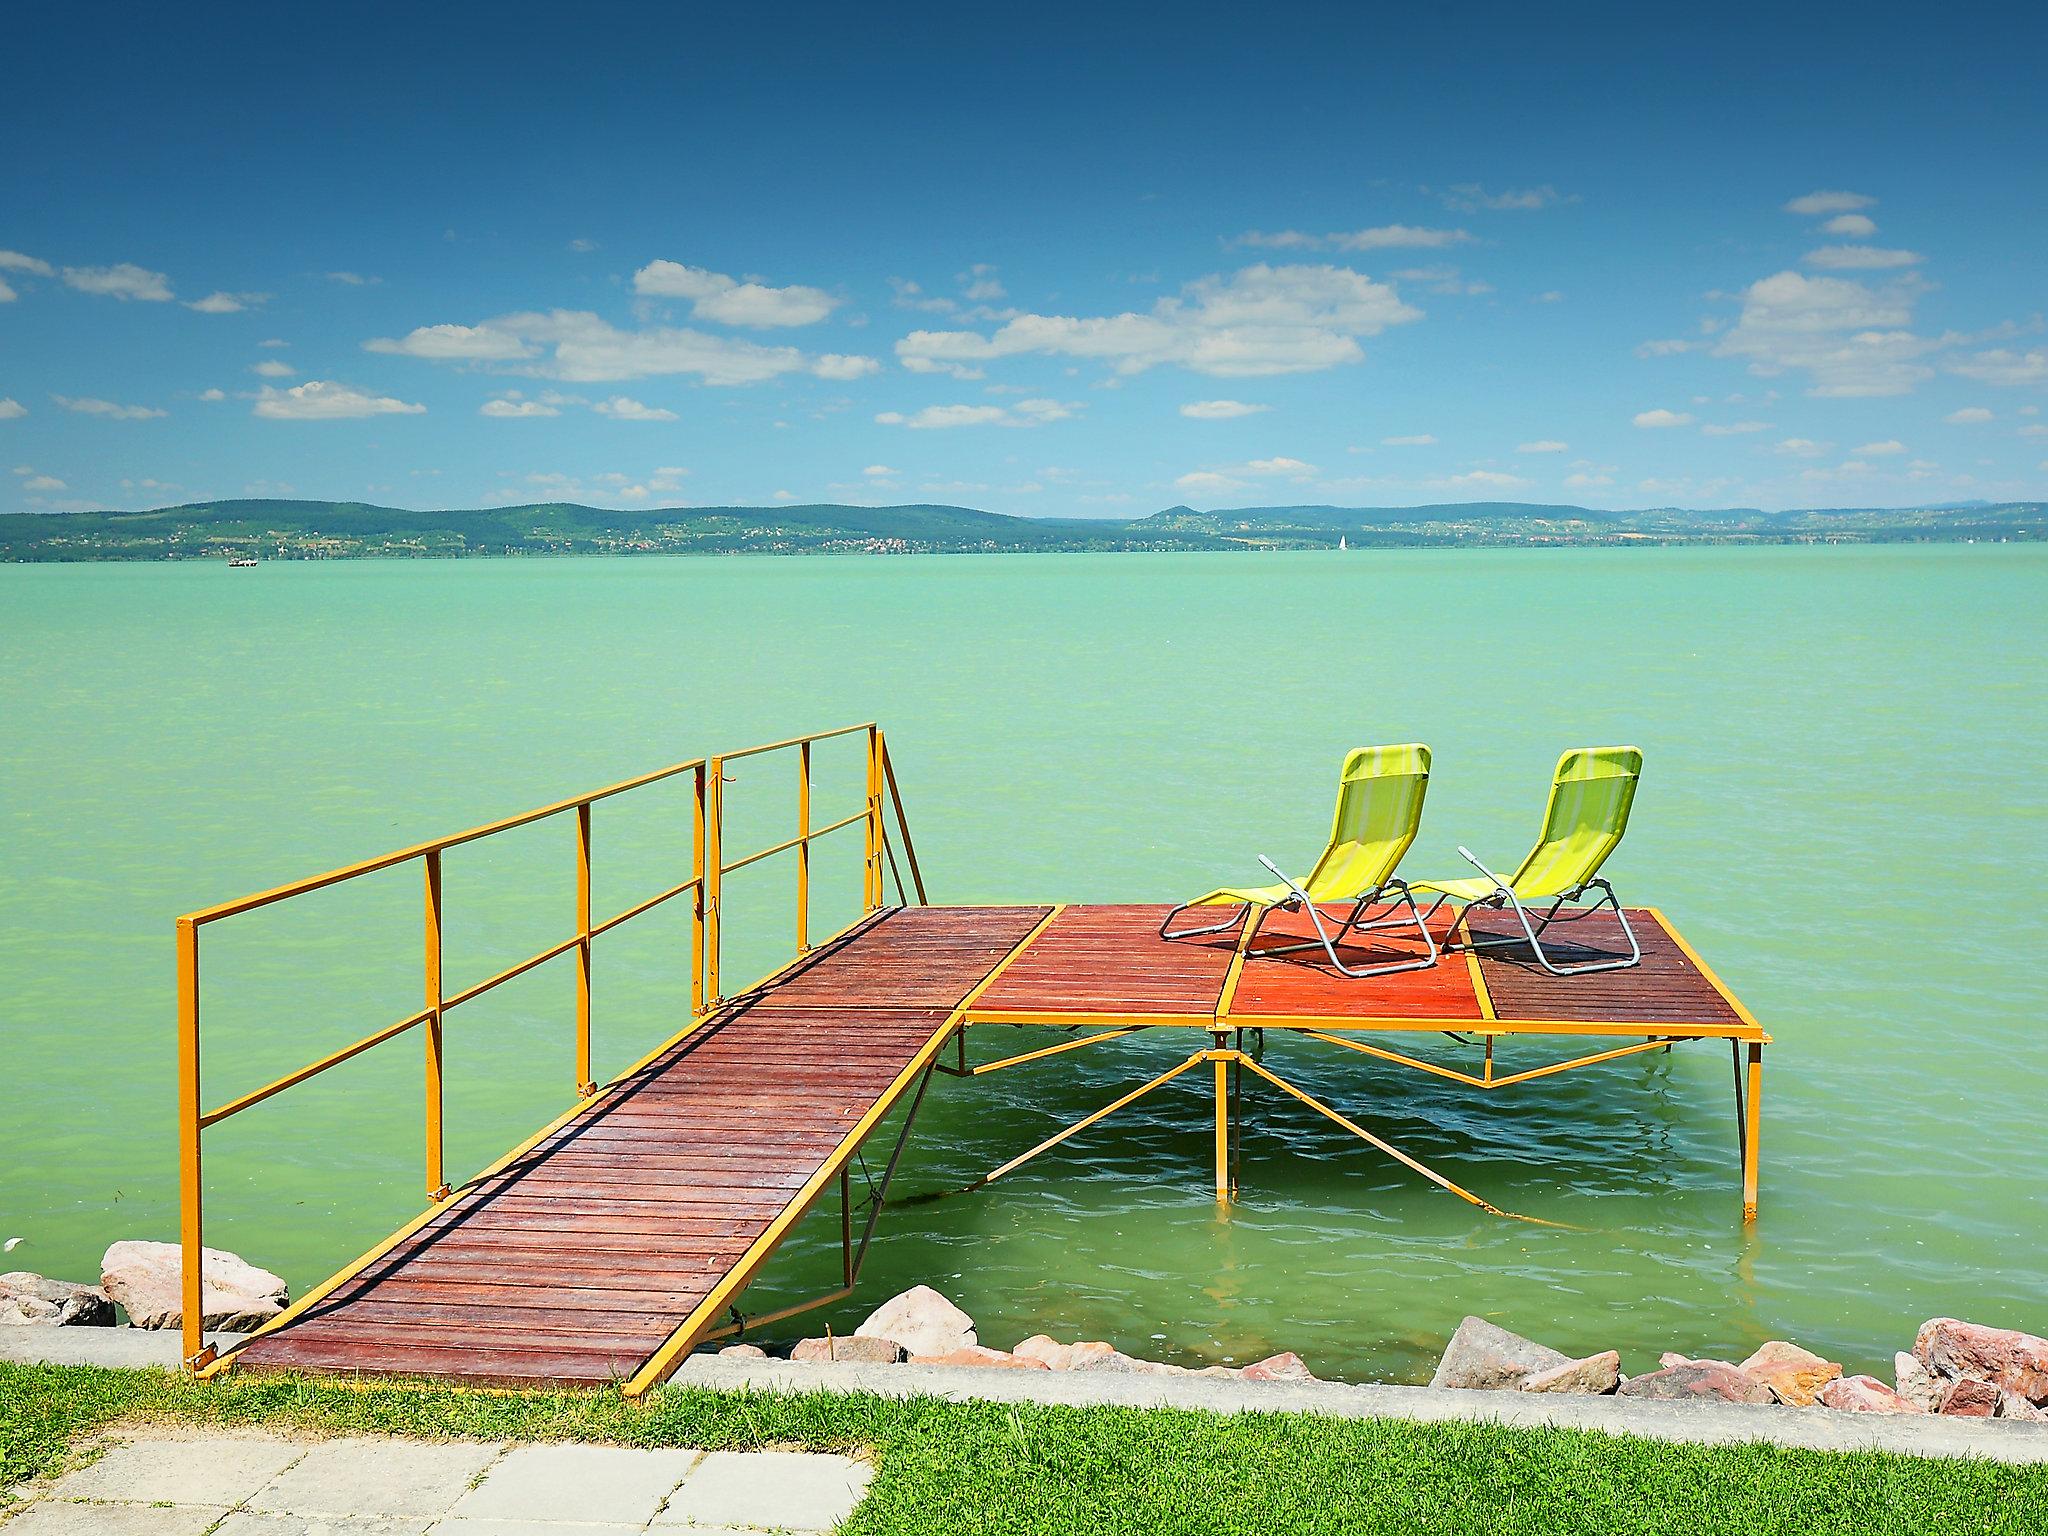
(246,1522)
(117,1348)
(377,1476)
(216,1470)
(50,1519)
(493,1527)
(589,1483)
(768,1490)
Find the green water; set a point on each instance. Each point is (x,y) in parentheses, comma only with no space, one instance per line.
(1843,808)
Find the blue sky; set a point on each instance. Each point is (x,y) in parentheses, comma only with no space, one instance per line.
(1090,262)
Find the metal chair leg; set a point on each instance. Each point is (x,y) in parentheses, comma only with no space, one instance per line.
(1190,933)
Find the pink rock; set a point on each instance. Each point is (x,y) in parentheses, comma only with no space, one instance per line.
(147,1279)
(2012,1406)
(1795,1374)
(1970,1398)
(743,1352)
(2017,1361)
(1672,1357)
(1040,1346)
(1083,1352)
(853,1347)
(981,1354)
(1863,1394)
(1595,1376)
(922,1321)
(1916,1385)
(1485,1357)
(1700,1379)
(1282,1367)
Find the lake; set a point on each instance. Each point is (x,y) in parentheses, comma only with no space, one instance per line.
(1843,808)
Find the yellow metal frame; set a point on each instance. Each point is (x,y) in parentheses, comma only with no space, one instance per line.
(1648,1035)
(709,867)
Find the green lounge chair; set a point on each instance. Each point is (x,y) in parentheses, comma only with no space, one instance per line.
(1379,806)
(1590,796)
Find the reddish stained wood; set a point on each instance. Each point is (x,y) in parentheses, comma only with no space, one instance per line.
(574,1262)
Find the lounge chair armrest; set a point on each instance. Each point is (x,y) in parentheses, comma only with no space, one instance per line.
(1473,859)
(1300,895)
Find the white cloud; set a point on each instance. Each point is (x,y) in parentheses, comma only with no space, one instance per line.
(1853,226)
(1734,428)
(1205,482)
(980,284)
(1802,448)
(273,341)
(213,395)
(1281,239)
(1860,258)
(1814,204)
(220,303)
(1279,466)
(1851,338)
(625,408)
(1581,481)
(352,279)
(1486,479)
(1261,320)
(2037,429)
(445,343)
(14,261)
(1470,197)
(1397,237)
(1968,416)
(1220,410)
(7,293)
(2003,366)
(880,471)
(44,483)
(1544,445)
(10,408)
(1885,449)
(582,245)
(323,400)
(271,368)
(1385,237)
(844,365)
(107,408)
(1025,413)
(1550,296)
(1413,440)
(124,281)
(729,301)
(1663,418)
(508,409)
(588,349)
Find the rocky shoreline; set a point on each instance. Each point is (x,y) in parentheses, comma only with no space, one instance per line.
(1954,1368)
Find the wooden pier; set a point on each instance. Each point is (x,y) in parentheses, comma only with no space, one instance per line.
(623,1235)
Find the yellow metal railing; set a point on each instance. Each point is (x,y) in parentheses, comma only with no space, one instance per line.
(709,867)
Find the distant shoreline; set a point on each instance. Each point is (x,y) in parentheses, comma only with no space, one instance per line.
(327,530)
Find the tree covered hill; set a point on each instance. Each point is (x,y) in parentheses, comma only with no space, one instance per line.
(278,529)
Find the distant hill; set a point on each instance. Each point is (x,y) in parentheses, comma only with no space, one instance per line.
(314,530)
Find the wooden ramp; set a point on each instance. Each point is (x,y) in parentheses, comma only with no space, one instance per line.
(630,1227)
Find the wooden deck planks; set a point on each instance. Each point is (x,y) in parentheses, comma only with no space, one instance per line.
(1110,960)
(580,1257)
(1667,988)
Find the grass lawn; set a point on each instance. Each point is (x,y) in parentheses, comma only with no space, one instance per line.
(952,1467)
